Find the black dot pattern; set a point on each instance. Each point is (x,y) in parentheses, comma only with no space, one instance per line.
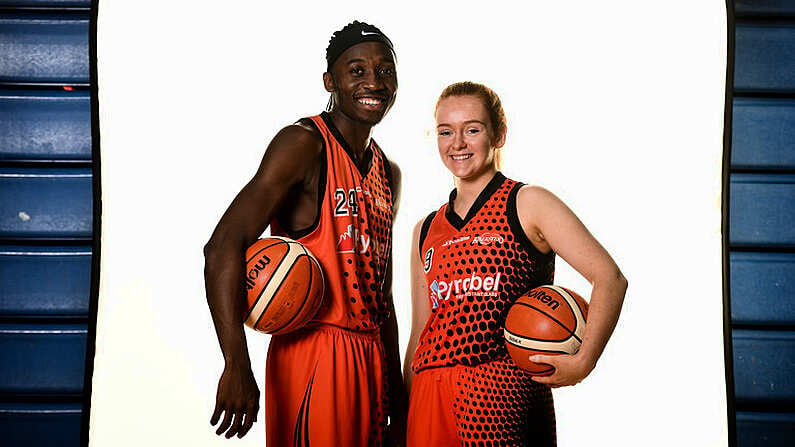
(375,219)
(497,404)
(476,270)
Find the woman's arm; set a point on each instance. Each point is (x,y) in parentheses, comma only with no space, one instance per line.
(420,309)
(550,224)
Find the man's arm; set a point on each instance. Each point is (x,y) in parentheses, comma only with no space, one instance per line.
(286,163)
(398,400)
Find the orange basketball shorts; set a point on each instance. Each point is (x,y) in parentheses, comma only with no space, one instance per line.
(325,386)
(491,404)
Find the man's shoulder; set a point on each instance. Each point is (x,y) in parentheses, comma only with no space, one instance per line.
(301,139)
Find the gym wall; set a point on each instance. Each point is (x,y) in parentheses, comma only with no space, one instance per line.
(760,179)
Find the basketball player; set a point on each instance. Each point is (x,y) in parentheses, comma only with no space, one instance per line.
(324,182)
(493,240)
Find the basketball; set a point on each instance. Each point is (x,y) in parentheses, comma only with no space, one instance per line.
(547,320)
(284,285)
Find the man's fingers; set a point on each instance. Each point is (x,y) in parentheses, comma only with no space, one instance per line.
(237,424)
(216,414)
(251,417)
(225,423)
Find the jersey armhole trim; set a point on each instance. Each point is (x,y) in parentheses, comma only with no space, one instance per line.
(426,225)
(387,171)
(516,226)
(321,188)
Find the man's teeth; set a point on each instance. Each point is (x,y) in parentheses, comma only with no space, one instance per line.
(369,101)
(461,157)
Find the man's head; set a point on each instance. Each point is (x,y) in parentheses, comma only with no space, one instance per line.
(361,74)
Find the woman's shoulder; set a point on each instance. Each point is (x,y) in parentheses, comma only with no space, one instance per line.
(535,195)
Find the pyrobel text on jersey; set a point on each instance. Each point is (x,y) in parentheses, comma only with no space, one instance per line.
(252,274)
(472,285)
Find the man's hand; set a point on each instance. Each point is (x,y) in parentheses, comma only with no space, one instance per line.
(238,399)
(569,369)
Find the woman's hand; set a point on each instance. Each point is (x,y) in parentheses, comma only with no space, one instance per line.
(569,369)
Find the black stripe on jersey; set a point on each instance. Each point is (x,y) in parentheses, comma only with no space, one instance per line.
(363,165)
(426,225)
(388,172)
(516,226)
(484,196)
(301,431)
(321,187)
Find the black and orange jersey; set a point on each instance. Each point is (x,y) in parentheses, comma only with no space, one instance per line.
(352,238)
(475,268)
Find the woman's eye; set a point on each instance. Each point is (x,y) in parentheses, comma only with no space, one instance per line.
(473,131)
(445,133)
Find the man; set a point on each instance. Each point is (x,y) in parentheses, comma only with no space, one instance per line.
(324,182)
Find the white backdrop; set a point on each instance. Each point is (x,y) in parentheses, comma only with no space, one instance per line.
(615,106)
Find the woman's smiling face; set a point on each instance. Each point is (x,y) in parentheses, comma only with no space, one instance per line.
(464,136)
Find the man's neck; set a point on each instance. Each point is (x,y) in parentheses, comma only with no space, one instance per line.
(355,133)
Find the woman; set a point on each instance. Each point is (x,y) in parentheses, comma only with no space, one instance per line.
(466,271)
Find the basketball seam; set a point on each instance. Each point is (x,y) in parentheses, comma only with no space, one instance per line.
(265,286)
(288,255)
(564,344)
(306,295)
(571,333)
(262,314)
(568,298)
(535,349)
(265,248)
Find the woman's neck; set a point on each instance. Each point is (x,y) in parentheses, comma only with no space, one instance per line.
(468,189)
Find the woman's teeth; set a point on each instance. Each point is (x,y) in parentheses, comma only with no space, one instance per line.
(461,157)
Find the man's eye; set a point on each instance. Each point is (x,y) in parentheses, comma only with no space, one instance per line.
(387,71)
(357,70)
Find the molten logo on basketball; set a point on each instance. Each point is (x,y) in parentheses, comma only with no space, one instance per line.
(253,273)
(540,295)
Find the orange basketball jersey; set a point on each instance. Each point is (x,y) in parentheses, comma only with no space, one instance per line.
(352,238)
(475,268)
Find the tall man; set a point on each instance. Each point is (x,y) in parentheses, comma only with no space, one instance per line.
(324,182)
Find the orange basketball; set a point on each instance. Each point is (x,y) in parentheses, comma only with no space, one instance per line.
(547,320)
(284,285)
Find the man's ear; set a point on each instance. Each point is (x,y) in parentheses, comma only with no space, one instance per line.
(328,82)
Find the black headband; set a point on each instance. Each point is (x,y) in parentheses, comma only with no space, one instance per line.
(353,33)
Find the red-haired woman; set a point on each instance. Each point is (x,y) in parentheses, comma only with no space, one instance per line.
(495,239)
